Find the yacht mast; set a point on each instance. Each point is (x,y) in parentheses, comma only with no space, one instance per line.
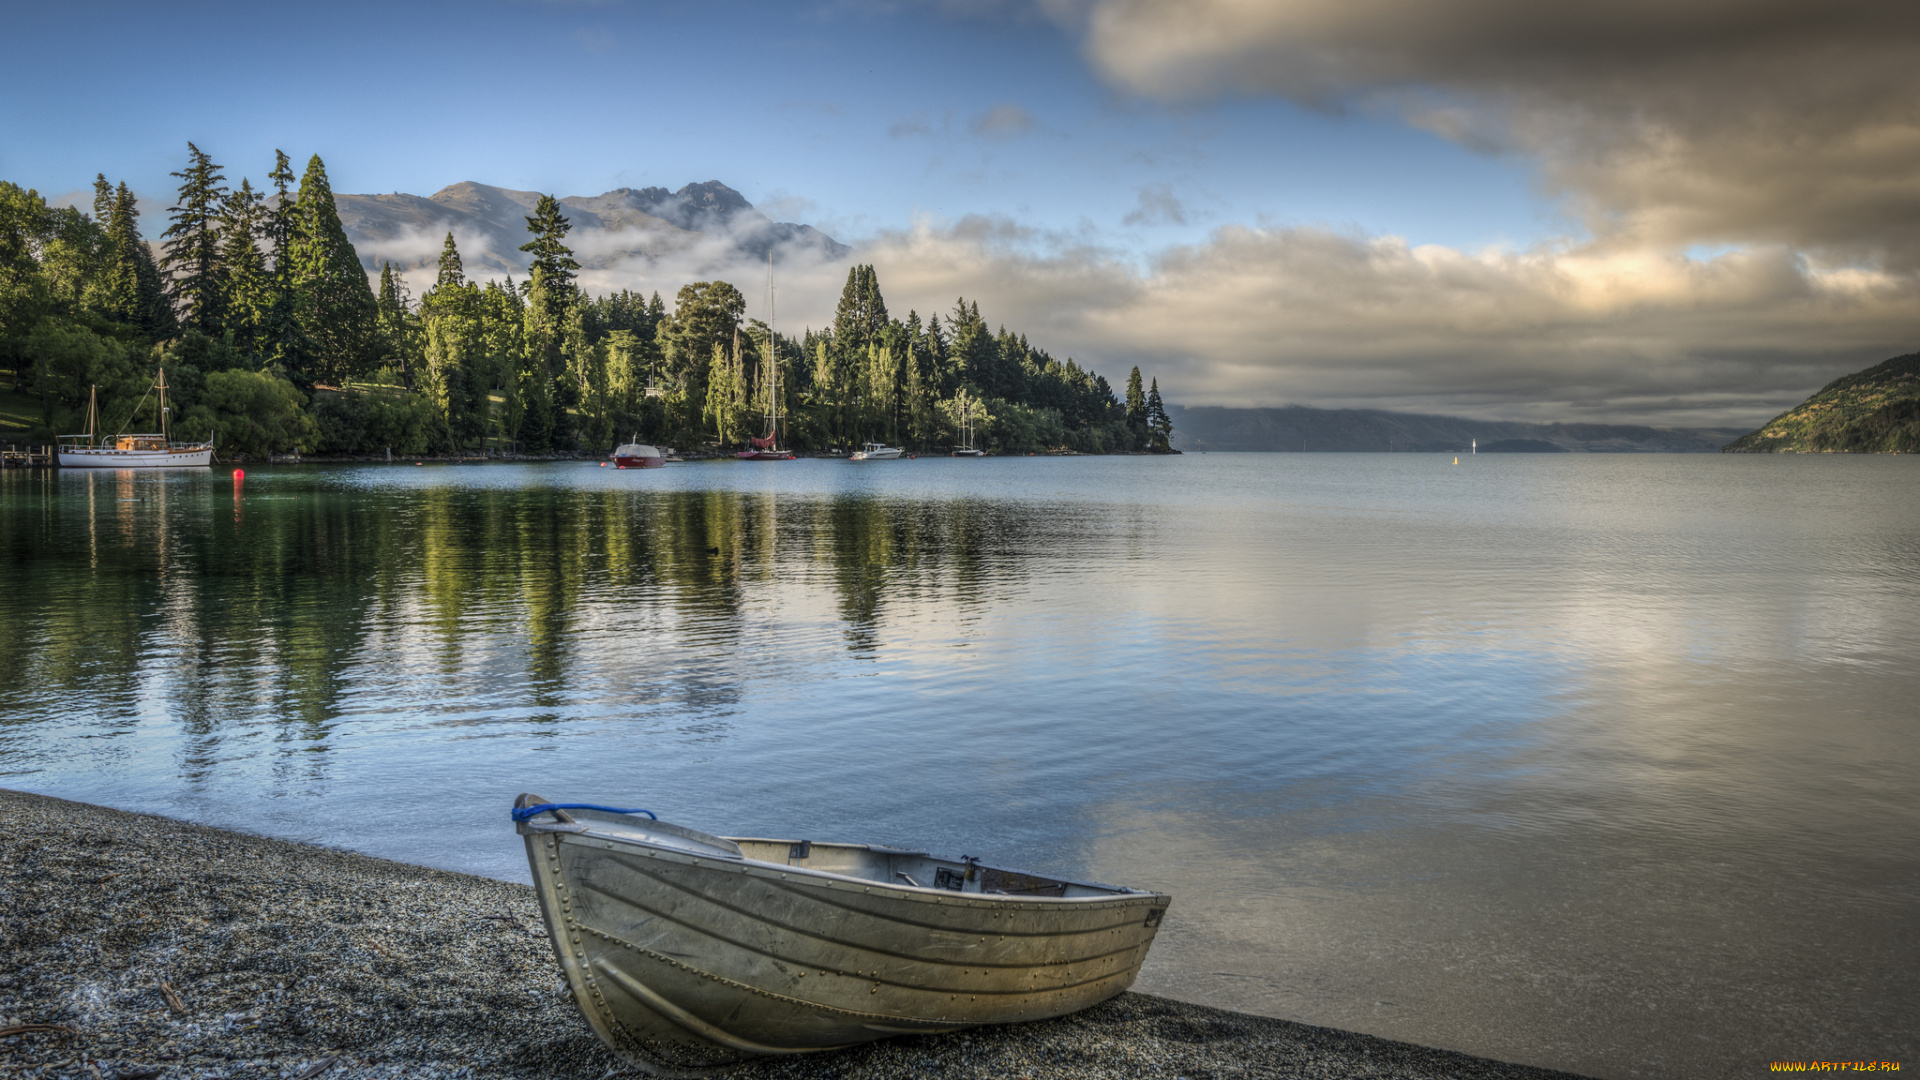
(162,387)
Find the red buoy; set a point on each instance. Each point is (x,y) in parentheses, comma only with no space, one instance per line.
(239,475)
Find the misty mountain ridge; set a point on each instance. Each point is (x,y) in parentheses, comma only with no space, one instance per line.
(709,221)
(1302,428)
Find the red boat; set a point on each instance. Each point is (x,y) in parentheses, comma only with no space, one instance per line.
(764,450)
(639,456)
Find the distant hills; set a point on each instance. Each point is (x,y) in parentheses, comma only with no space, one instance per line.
(1876,411)
(1298,427)
(490,223)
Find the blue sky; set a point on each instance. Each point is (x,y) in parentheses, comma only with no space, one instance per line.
(1263,209)
(853,116)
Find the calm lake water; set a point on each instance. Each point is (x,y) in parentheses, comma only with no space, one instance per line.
(1607,763)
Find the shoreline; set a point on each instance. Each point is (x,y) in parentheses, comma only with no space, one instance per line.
(172,950)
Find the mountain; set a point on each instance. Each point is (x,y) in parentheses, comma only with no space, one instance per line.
(1298,427)
(709,220)
(1876,411)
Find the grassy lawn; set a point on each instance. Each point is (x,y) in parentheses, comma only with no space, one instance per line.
(19,416)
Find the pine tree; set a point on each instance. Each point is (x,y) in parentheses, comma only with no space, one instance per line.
(332,300)
(862,314)
(280,228)
(399,329)
(553,261)
(102,198)
(1158,421)
(196,279)
(451,271)
(1136,407)
(250,287)
(134,291)
(453,370)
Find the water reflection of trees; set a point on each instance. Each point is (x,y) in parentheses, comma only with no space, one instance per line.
(313,598)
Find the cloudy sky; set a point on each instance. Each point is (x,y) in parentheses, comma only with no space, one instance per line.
(1639,211)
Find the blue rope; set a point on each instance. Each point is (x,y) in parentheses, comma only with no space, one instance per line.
(528,813)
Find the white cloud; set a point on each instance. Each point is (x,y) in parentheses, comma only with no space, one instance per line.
(1272,316)
(1003,121)
(1734,121)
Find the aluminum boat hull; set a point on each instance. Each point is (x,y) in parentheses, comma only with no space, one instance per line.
(684,956)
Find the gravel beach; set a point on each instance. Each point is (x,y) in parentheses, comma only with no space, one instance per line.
(134,946)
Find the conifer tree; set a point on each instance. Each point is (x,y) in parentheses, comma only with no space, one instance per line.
(861,316)
(553,261)
(102,198)
(250,287)
(1136,407)
(134,292)
(1158,421)
(399,329)
(280,228)
(453,371)
(332,300)
(451,271)
(196,279)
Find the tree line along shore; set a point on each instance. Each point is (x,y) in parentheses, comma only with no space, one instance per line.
(275,341)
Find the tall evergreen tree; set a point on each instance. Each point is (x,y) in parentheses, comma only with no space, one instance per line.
(196,279)
(134,291)
(451,271)
(553,261)
(862,314)
(250,287)
(1136,407)
(1158,420)
(285,209)
(399,328)
(332,300)
(102,198)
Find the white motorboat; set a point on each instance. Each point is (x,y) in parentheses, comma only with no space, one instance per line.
(874,451)
(638,455)
(147,451)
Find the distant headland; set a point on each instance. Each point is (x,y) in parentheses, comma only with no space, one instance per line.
(1300,428)
(1876,411)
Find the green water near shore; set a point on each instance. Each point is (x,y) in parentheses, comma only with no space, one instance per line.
(1605,763)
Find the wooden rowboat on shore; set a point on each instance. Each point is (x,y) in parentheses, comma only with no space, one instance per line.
(688,952)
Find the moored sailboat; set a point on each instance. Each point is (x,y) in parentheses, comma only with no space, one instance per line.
(144,451)
(966,419)
(767,447)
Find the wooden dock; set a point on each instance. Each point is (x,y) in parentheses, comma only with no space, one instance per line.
(26,457)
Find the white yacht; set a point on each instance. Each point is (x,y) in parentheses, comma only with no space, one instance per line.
(874,451)
(147,451)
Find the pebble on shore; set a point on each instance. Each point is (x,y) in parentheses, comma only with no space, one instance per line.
(135,947)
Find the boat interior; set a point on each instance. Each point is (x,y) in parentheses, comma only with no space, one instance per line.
(914,869)
(872,862)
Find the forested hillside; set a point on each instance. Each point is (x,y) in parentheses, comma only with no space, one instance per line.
(1876,411)
(275,341)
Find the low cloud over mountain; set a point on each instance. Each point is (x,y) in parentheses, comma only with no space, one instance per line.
(698,229)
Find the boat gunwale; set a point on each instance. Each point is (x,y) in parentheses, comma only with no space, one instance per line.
(1116,898)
